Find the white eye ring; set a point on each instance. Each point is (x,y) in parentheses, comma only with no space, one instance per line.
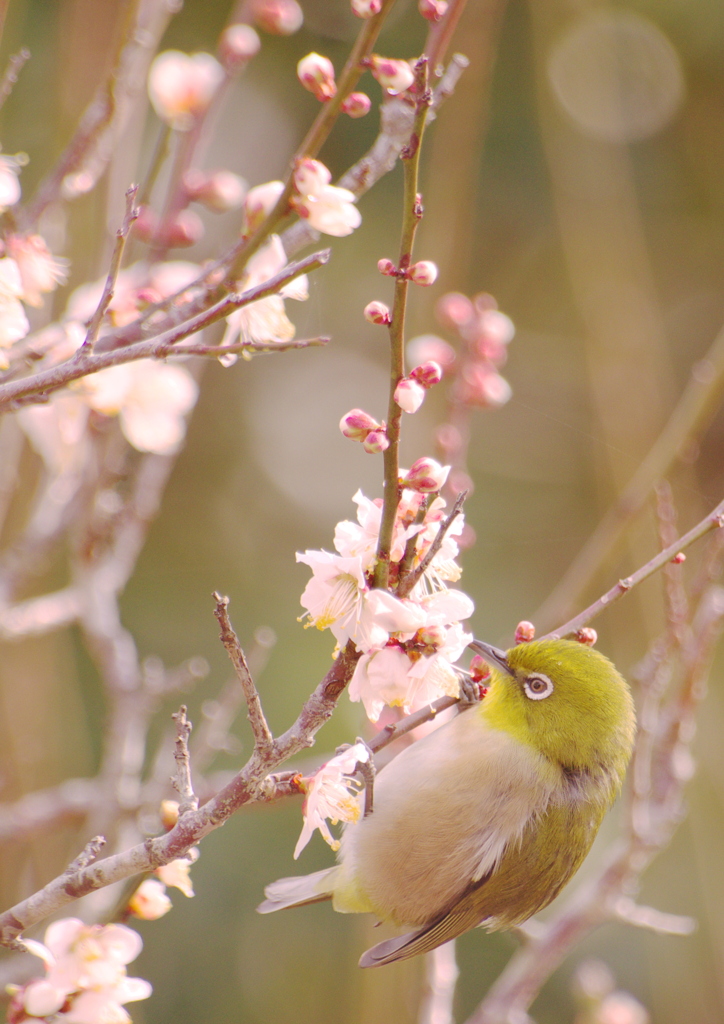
(538,687)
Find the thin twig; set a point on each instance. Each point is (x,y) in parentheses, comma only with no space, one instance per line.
(94,326)
(410,580)
(15,65)
(182,780)
(263,739)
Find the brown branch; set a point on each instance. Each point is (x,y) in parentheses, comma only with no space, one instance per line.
(182,780)
(409,581)
(263,739)
(15,66)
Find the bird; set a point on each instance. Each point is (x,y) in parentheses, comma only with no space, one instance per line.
(484,820)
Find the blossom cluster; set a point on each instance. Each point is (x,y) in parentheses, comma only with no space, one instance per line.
(85,980)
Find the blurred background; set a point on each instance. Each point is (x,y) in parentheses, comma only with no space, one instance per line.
(577,174)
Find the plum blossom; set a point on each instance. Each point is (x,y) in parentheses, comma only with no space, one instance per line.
(149,901)
(259,203)
(409,395)
(13,321)
(327,208)
(181,86)
(40,271)
(85,981)
(280,17)
(393,75)
(316,73)
(332,794)
(264,320)
(150,398)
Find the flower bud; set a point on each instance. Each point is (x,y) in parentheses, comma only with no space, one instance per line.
(427,347)
(280,17)
(220,191)
(453,310)
(425,475)
(479,668)
(149,901)
(237,45)
(181,87)
(524,632)
(432,10)
(679,558)
(386,267)
(482,386)
(376,442)
(168,813)
(409,395)
(316,73)
(424,272)
(356,424)
(449,440)
(310,176)
(497,326)
(366,8)
(259,203)
(586,636)
(393,75)
(185,229)
(377,313)
(427,374)
(357,104)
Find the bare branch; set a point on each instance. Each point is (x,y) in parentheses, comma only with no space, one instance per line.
(409,581)
(182,780)
(15,66)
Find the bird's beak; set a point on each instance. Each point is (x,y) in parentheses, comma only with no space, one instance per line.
(493,655)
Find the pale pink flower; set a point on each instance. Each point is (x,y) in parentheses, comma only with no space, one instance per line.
(9,184)
(13,321)
(409,395)
(327,208)
(316,73)
(425,475)
(393,75)
(497,326)
(280,17)
(333,596)
(150,398)
(357,104)
(431,347)
(181,87)
(366,8)
(423,272)
(219,191)
(149,901)
(40,271)
(238,43)
(356,424)
(382,615)
(332,794)
(177,872)
(428,374)
(264,320)
(259,203)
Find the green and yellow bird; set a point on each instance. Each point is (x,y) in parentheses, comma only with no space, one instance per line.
(484,820)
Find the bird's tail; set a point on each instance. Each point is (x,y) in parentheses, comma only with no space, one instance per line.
(298,890)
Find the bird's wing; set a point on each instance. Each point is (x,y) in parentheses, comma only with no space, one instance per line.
(298,890)
(464,915)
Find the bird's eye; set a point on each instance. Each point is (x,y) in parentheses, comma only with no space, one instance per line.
(538,687)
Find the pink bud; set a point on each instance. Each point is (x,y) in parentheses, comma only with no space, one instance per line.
(497,326)
(424,272)
(427,374)
(356,424)
(377,313)
(316,73)
(186,229)
(449,440)
(237,45)
(479,668)
(366,8)
(433,10)
(524,632)
(454,310)
(310,176)
(482,386)
(181,87)
(679,558)
(259,203)
(386,267)
(357,104)
(393,75)
(409,395)
(586,636)
(426,476)
(220,191)
(280,17)
(427,347)
(376,442)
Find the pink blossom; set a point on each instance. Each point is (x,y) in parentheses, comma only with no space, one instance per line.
(181,87)
(280,17)
(219,191)
(264,320)
(424,272)
(149,901)
(357,104)
(433,10)
(332,794)
(377,313)
(238,43)
(426,347)
(327,208)
(356,424)
(427,374)
(259,203)
(387,267)
(333,596)
(454,309)
(366,8)
(316,73)
(9,184)
(409,395)
(425,475)
(482,385)
(13,321)
(393,75)
(40,271)
(376,442)
(177,872)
